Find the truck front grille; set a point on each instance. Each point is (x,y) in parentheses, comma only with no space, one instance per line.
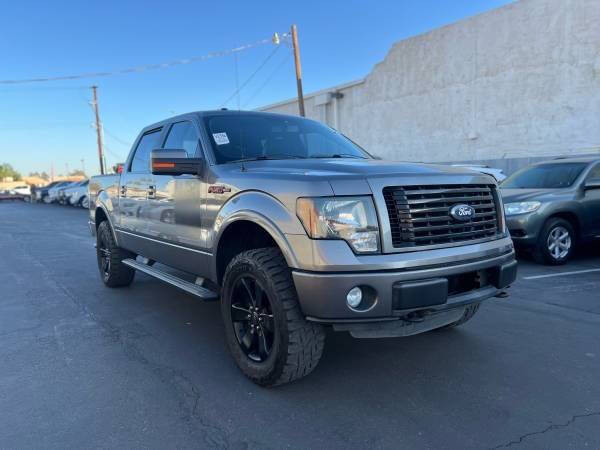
(420,215)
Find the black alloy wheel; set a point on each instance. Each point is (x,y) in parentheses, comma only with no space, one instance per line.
(252,318)
(110,258)
(103,252)
(265,328)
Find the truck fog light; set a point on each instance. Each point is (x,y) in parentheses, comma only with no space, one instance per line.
(354,297)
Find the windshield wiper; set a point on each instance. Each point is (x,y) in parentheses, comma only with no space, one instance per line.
(267,157)
(340,155)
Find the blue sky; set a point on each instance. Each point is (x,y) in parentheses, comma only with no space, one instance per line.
(49,123)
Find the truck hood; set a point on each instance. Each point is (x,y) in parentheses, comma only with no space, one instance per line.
(289,179)
(347,168)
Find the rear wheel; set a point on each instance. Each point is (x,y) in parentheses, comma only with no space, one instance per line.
(266,332)
(84,202)
(110,259)
(556,242)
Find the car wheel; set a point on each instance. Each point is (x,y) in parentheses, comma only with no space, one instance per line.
(110,259)
(84,202)
(556,242)
(266,332)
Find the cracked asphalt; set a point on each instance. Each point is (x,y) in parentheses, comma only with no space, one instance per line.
(84,366)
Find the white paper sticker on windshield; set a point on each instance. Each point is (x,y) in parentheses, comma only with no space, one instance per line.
(221,138)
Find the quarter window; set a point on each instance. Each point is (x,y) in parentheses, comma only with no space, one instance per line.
(141,158)
(182,135)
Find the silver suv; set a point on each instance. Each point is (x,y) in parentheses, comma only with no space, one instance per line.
(295,228)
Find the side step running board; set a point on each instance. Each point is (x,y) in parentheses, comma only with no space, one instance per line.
(191,288)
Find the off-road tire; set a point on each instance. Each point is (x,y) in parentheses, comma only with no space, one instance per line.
(118,274)
(541,253)
(297,345)
(468,315)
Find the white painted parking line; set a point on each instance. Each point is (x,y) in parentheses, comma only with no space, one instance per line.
(558,274)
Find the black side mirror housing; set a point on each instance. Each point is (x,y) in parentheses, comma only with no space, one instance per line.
(175,162)
(594,183)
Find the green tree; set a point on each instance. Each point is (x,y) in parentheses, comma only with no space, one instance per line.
(6,170)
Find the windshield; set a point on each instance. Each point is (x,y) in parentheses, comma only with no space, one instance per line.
(252,136)
(545,176)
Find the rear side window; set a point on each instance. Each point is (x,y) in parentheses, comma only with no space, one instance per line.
(141,158)
(182,135)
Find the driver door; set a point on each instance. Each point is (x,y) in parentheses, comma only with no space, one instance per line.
(176,204)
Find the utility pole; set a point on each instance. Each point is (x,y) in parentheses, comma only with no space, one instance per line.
(298,69)
(98,129)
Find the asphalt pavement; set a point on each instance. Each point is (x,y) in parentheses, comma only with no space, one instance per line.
(84,366)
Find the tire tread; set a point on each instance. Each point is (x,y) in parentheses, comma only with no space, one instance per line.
(306,340)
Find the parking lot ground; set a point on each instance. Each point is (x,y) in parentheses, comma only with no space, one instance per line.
(83,366)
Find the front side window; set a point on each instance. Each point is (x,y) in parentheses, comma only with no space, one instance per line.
(545,176)
(182,135)
(141,158)
(252,136)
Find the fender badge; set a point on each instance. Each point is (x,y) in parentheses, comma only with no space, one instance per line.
(217,189)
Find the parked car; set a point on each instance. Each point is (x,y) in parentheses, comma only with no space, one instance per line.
(52,195)
(64,192)
(498,174)
(42,192)
(23,190)
(296,228)
(553,205)
(77,195)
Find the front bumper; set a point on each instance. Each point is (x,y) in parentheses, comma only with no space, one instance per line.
(395,294)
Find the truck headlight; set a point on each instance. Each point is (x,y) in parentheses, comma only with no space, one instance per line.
(520,207)
(352,219)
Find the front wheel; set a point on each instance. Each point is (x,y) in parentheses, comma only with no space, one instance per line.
(556,242)
(266,332)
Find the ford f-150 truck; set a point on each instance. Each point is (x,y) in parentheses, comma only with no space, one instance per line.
(295,228)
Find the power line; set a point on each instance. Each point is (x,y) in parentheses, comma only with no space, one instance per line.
(116,138)
(147,67)
(262,64)
(114,154)
(268,79)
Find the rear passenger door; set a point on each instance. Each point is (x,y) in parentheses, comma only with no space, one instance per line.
(175,215)
(136,181)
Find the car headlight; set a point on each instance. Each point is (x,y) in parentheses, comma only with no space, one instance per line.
(351,219)
(520,207)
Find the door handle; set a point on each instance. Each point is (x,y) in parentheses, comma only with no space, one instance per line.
(123,191)
(151,192)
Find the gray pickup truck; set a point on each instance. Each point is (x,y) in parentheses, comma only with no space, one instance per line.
(295,228)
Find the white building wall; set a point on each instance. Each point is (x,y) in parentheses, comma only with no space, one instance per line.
(521,81)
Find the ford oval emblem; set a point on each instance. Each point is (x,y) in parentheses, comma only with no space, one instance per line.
(462,212)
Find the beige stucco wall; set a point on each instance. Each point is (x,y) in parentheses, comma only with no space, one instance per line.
(519,81)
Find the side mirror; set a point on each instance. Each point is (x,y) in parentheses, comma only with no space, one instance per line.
(175,162)
(594,183)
